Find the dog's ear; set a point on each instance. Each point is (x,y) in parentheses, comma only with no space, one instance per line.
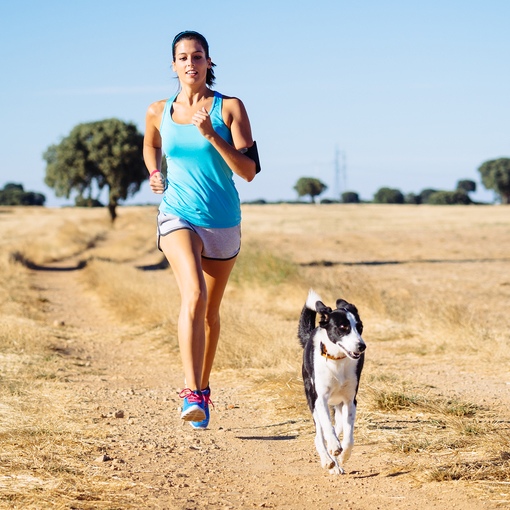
(324,312)
(324,320)
(342,304)
(322,308)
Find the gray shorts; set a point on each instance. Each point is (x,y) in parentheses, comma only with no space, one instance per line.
(218,243)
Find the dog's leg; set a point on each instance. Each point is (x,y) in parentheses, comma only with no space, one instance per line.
(326,461)
(327,443)
(337,468)
(332,441)
(348,419)
(339,425)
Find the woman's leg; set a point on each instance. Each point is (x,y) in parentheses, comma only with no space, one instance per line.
(183,249)
(216,275)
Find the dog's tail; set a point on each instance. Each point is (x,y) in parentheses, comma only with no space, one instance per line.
(308,316)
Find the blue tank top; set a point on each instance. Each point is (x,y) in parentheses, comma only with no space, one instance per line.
(200,188)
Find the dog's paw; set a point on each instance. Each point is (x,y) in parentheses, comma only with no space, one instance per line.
(336,470)
(336,450)
(329,464)
(344,457)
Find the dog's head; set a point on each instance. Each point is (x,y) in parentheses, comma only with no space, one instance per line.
(343,327)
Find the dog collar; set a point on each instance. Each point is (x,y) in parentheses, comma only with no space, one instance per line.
(326,354)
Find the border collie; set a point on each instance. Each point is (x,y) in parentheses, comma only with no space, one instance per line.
(333,356)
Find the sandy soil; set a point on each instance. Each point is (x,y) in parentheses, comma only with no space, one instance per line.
(252,456)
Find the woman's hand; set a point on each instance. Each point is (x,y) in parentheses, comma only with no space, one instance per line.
(203,122)
(236,119)
(157,183)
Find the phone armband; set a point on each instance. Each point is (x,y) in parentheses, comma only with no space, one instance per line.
(253,154)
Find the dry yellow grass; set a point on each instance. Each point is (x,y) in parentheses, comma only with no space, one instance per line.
(432,285)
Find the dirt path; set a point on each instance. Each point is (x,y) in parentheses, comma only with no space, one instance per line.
(251,457)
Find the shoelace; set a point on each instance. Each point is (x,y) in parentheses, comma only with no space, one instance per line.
(207,399)
(192,396)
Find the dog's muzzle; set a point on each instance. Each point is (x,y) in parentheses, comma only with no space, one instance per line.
(354,355)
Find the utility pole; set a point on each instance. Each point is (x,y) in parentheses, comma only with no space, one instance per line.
(340,172)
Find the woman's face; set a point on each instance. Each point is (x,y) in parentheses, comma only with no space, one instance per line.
(190,62)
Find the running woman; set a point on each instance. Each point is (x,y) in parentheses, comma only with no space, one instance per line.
(206,138)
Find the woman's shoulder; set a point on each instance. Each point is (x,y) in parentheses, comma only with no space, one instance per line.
(156,108)
(232,105)
(228,99)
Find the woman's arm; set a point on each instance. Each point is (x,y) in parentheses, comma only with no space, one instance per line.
(236,118)
(152,146)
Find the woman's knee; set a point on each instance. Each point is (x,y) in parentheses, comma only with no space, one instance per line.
(194,301)
(212,318)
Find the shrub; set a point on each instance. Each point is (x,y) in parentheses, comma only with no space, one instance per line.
(425,194)
(388,196)
(14,194)
(412,198)
(449,198)
(350,197)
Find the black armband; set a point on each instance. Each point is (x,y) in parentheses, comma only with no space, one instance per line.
(253,154)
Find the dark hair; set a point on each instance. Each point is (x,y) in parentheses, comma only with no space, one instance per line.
(195,36)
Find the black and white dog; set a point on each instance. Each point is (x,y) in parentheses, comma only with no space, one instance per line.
(332,362)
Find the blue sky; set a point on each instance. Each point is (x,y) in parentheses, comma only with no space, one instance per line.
(414,95)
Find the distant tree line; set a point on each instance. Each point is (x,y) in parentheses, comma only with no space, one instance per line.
(14,194)
(460,196)
(108,154)
(495,176)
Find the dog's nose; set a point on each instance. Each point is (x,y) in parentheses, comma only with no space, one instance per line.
(362,347)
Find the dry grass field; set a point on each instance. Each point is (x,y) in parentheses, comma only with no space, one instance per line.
(89,365)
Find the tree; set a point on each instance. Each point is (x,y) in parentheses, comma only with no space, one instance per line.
(350,197)
(94,155)
(466,185)
(388,196)
(14,194)
(425,194)
(458,197)
(11,186)
(496,176)
(412,198)
(310,186)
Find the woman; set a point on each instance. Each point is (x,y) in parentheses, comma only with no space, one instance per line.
(206,137)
